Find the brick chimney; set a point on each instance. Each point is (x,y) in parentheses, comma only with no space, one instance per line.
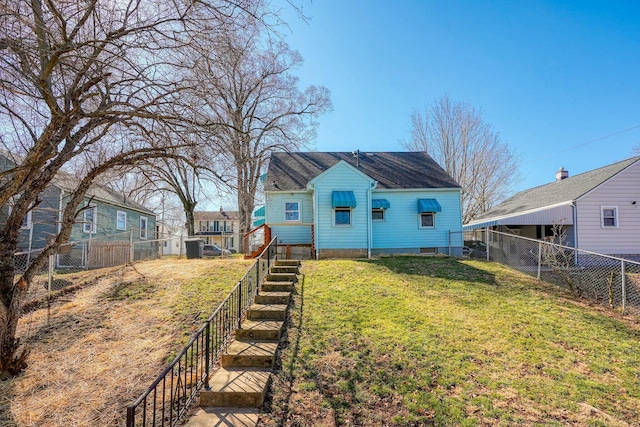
(562,174)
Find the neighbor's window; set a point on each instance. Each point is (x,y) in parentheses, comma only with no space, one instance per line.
(143,227)
(90,220)
(377,214)
(121,220)
(609,216)
(427,220)
(292,211)
(342,216)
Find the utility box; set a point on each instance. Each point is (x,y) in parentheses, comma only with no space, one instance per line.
(194,248)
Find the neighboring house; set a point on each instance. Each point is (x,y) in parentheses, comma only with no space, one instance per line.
(599,210)
(220,228)
(345,204)
(173,240)
(104,216)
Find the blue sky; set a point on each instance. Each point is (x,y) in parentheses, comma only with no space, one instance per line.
(551,77)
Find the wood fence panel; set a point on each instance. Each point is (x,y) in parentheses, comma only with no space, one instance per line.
(108,254)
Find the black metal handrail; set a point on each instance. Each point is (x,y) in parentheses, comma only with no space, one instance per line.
(171,394)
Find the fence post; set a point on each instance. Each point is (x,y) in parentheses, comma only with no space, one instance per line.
(624,286)
(50,280)
(131,245)
(207,354)
(539,258)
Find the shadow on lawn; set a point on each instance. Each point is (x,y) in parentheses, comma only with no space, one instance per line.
(6,391)
(447,268)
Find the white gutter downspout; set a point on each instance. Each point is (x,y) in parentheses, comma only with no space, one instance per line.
(369,225)
(314,208)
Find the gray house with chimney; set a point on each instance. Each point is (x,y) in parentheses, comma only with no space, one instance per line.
(599,210)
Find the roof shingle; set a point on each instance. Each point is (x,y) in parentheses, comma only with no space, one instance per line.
(398,170)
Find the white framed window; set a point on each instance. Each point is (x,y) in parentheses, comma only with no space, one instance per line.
(121,220)
(90,220)
(26,221)
(143,227)
(427,220)
(292,210)
(377,214)
(342,217)
(609,216)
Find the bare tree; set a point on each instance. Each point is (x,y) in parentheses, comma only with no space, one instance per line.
(456,136)
(251,106)
(81,79)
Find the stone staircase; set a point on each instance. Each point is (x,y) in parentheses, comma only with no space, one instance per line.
(238,388)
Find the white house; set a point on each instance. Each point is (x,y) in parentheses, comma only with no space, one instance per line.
(600,210)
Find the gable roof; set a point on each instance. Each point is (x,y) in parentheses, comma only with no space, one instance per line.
(68,183)
(398,170)
(557,192)
(216,216)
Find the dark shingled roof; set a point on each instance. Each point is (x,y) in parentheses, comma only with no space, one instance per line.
(216,216)
(569,189)
(292,171)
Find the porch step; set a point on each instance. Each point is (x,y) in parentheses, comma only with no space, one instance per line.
(288,262)
(273,297)
(224,417)
(292,269)
(267,312)
(264,330)
(249,354)
(269,286)
(236,388)
(281,277)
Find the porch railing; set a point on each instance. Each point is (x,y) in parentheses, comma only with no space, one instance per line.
(175,389)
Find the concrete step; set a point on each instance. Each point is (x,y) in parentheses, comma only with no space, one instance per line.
(259,330)
(236,388)
(267,312)
(249,354)
(224,417)
(273,297)
(292,269)
(288,262)
(281,277)
(269,286)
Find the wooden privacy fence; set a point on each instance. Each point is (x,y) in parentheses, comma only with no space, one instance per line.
(108,254)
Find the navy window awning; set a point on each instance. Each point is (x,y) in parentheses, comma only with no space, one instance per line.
(380,204)
(259,213)
(428,205)
(343,199)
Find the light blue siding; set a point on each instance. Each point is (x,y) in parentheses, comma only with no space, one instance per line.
(401,226)
(290,232)
(342,177)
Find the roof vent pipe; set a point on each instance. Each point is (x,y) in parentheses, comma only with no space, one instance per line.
(562,174)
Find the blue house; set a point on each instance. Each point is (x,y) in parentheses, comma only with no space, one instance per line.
(344,204)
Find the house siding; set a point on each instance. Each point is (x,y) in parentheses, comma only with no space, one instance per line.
(289,232)
(401,228)
(621,190)
(329,236)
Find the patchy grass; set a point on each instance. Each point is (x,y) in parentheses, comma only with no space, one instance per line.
(408,341)
(99,347)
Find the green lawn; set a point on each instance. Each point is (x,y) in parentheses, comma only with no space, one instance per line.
(438,341)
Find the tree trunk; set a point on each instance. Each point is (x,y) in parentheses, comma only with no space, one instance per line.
(12,360)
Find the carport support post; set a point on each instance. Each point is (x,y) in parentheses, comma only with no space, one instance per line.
(486,238)
(539,258)
(624,286)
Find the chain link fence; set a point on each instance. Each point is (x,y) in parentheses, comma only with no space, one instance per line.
(57,274)
(607,280)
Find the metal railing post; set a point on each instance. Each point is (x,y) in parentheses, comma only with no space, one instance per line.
(258,273)
(539,258)
(624,286)
(131,416)
(239,302)
(207,354)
